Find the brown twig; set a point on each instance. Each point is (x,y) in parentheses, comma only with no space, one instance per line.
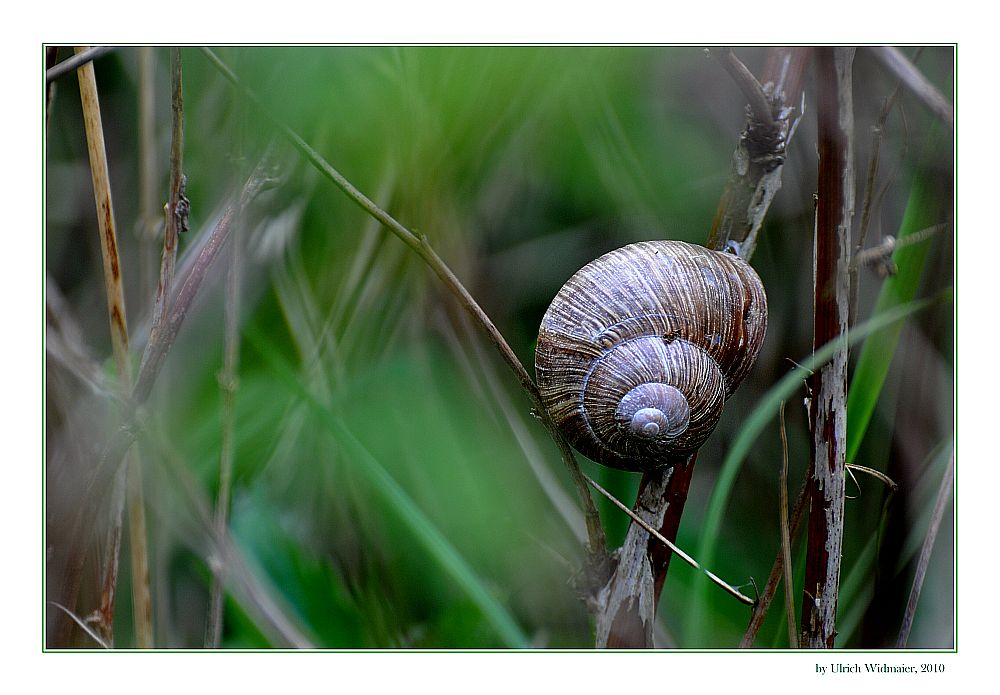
(760,105)
(899,65)
(597,544)
(142,600)
(944,494)
(828,406)
(755,173)
(168,260)
(104,617)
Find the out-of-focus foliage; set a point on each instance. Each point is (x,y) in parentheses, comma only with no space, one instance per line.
(520,164)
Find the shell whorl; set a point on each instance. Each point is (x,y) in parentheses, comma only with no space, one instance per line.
(640,349)
(654,410)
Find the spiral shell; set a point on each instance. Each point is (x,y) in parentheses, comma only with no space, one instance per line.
(640,349)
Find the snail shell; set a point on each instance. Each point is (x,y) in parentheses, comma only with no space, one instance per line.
(640,349)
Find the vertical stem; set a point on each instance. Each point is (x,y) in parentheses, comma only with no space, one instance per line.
(228,383)
(627,616)
(169,257)
(142,601)
(634,589)
(148,214)
(110,561)
(105,217)
(120,348)
(828,406)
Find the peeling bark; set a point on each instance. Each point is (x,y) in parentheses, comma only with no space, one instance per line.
(828,406)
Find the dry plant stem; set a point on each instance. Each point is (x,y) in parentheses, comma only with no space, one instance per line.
(120,348)
(944,494)
(105,218)
(786,540)
(71,64)
(628,613)
(633,592)
(879,475)
(748,84)
(105,617)
(828,407)
(597,544)
(899,65)
(142,600)
(755,172)
(168,260)
(728,588)
(774,578)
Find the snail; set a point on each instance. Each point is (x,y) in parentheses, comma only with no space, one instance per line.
(641,347)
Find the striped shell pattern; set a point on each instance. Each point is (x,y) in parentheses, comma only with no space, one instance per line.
(640,349)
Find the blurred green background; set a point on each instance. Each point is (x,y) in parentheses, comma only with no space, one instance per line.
(391,488)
